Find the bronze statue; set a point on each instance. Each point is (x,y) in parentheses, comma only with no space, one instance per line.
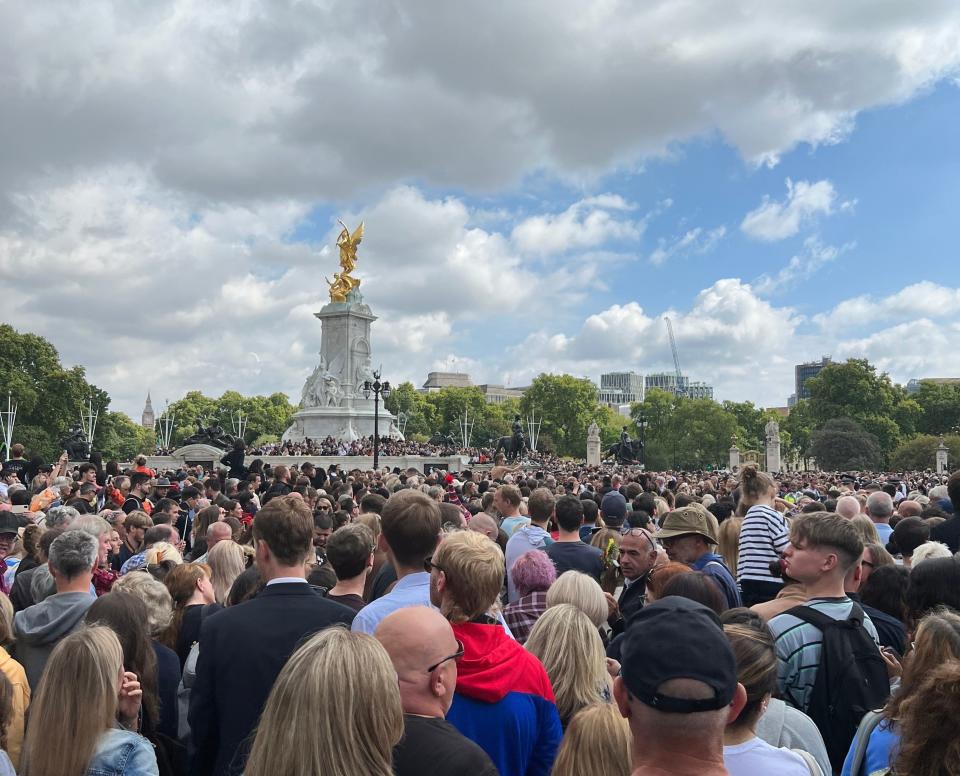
(343,282)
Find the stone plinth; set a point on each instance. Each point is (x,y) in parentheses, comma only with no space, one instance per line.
(332,401)
(734,463)
(593,445)
(772,447)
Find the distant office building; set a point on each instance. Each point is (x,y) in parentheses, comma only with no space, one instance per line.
(437,380)
(619,388)
(498,394)
(914,385)
(697,390)
(803,372)
(666,381)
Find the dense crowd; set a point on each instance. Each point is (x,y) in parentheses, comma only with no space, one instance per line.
(364,446)
(560,620)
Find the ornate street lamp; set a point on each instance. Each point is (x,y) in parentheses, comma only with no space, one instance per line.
(642,428)
(378,389)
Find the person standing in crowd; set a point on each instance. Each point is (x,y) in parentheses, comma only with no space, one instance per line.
(424,653)
(243,648)
(763,537)
(136,525)
(597,741)
(189,504)
(533,574)
(334,709)
(136,500)
(534,536)
(350,552)
(568,551)
(948,531)
(411,530)
(503,700)
(689,535)
(39,628)
(506,500)
(191,590)
(678,692)
(89,697)
(880,510)
(19,692)
(638,555)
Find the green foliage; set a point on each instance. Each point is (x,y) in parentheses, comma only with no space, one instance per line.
(687,433)
(854,390)
(49,397)
(264,416)
(939,408)
(799,425)
(920,452)
(843,444)
(567,405)
(121,439)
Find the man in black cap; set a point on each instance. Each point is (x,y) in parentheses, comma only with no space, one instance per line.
(678,689)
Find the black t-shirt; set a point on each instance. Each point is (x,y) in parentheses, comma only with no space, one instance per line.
(132,504)
(432,745)
(354,601)
(18,465)
(576,556)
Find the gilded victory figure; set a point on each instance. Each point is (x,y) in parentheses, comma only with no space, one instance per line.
(343,282)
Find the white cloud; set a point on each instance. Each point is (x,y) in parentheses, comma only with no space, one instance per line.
(585,224)
(773,221)
(918,300)
(806,264)
(695,240)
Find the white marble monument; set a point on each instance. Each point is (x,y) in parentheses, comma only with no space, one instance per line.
(332,402)
(943,454)
(772,444)
(593,445)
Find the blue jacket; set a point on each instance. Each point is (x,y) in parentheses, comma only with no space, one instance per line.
(712,564)
(122,753)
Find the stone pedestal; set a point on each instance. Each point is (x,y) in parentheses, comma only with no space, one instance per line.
(593,445)
(772,447)
(207,456)
(332,401)
(943,454)
(734,462)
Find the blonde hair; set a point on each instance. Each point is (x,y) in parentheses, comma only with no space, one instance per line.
(6,621)
(866,529)
(162,551)
(154,594)
(227,562)
(571,650)
(575,587)
(334,709)
(597,741)
(473,567)
(754,486)
(728,538)
(77,699)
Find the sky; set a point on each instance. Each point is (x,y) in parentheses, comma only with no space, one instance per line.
(542,183)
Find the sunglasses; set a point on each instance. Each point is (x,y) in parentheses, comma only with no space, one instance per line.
(455,656)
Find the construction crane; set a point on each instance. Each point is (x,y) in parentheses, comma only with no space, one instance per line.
(676,359)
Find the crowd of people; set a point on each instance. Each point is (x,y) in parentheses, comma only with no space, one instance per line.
(364,446)
(501,620)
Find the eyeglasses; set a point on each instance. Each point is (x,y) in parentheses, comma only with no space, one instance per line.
(627,531)
(455,656)
(429,565)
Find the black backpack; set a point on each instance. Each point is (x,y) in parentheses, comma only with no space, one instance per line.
(852,678)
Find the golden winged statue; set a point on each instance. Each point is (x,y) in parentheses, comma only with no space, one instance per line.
(343,282)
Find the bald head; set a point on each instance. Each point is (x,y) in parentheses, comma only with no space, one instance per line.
(416,638)
(483,523)
(218,532)
(909,508)
(848,507)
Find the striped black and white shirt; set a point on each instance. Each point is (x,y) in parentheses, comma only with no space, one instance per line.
(763,536)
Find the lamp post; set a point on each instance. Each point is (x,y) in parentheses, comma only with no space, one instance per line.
(378,389)
(642,428)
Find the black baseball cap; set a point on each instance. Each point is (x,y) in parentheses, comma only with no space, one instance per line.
(677,638)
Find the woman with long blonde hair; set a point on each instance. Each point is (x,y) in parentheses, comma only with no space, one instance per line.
(227,561)
(570,648)
(334,709)
(84,694)
(597,741)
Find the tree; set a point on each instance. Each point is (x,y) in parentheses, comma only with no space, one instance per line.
(920,452)
(121,439)
(799,425)
(843,444)
(567,405)
(50,397)
(420,414)
(854,390)
(939,408)
(264,416)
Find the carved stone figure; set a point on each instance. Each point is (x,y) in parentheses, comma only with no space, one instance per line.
(76,445)
(343,282)
(212,435)
(772,431)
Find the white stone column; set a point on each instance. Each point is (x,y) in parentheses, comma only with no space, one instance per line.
(943,454)
(734,458)
(774,463)
(593,445)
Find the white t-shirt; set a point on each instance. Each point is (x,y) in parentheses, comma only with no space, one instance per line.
(757,758)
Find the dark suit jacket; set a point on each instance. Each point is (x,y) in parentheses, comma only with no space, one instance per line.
(242,650)
(630,602)
(948,532)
